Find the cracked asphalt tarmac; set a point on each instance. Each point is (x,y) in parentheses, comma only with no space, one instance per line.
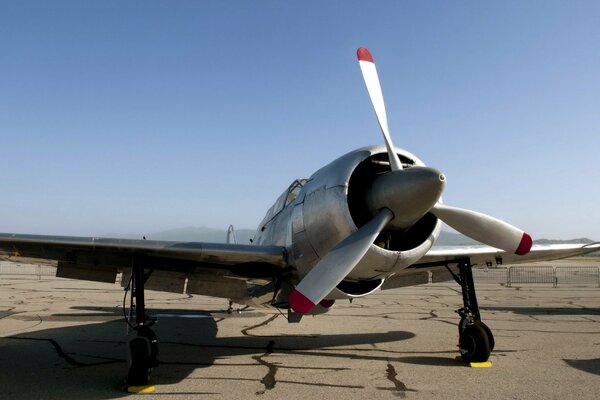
(63,339)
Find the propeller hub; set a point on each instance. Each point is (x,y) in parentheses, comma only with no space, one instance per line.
(409,193)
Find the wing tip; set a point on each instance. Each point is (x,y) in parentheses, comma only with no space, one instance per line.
(364,54)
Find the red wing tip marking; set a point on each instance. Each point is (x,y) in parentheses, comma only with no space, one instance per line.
(300,303)
(364,54)
(525,245)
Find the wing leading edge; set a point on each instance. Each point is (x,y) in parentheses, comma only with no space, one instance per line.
(97,253)
(433,264)
(482,255)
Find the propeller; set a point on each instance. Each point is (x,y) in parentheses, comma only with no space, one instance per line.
(369,72)
(397,200)
(336,264)
(484,229)
(475,225)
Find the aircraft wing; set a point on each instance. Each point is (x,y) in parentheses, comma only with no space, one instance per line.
(87,257)
(482,255)
(433,265)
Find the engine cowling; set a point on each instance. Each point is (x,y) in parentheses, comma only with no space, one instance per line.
(332,206)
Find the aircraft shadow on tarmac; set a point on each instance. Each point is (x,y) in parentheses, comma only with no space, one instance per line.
(87,359)
(592,366)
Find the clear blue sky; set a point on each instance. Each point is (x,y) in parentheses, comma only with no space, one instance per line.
(142,116)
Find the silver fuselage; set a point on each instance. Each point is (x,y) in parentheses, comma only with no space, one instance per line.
(314,215)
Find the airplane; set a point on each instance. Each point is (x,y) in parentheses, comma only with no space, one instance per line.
(365,222)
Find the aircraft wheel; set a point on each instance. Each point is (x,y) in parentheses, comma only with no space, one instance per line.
(141,353)
(474,344)
(464,322)
(151,336)
(489,334)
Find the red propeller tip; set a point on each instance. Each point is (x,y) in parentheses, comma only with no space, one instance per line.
(300,303)
(364,54)
(525,245)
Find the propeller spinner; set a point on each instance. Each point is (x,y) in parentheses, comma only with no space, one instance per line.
(397,200)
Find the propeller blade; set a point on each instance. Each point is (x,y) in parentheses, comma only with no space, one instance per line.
(369,72)
(484,228)
(336,264)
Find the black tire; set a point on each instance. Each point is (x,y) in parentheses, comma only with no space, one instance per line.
(489,334)
(474,344)
(139,369)
(153,340)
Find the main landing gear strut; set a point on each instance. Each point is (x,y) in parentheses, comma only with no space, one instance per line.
(476,341)
(144,347)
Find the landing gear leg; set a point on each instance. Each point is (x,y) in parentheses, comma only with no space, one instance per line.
(476,340)
(144,347)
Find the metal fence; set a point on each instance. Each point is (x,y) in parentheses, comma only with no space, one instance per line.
(490,275)
(575,275)
(528,274)
(39,271)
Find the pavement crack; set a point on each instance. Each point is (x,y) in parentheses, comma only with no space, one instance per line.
(36,318)
(8,313)
(61,353)
(267,321)
(432,314)
(268,380)
(400,388)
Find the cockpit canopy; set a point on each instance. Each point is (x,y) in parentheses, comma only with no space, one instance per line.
(285,199)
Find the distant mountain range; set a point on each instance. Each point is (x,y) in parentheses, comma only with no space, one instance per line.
(243,236)
(456,239)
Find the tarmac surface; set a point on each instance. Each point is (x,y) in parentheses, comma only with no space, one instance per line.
(62,339)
